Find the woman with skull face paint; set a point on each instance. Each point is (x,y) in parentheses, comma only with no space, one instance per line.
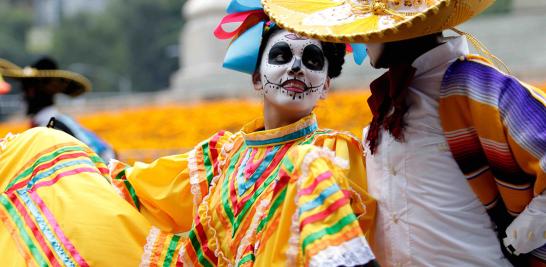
(279,192)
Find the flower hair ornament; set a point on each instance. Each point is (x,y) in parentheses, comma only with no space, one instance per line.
(243,52)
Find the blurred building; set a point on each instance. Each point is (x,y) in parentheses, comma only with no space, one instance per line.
(513,30)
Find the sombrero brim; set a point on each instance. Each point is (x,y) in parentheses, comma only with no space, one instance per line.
(73,84)
(297,16)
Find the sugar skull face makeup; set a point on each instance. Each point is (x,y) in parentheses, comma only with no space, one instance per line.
(293,72)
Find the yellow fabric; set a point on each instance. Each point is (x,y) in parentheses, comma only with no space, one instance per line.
(220,242)
(376,21)
(103,229)
(173,210)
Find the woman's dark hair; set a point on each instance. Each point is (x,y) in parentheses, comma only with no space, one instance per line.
(334,53)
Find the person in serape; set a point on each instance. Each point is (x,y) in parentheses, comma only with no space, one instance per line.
(40,82)
(280,192)
(453,138)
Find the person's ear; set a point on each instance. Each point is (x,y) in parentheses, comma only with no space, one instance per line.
(257,81)
(325,89)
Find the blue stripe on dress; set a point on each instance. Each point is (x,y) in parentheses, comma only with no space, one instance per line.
(45,229)
(291,136)
(319,200)
(57,167)
(245,185)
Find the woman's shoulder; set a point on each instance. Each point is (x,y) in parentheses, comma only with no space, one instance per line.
(331,135)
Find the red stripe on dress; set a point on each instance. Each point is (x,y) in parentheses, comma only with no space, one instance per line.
(272,166)
(247,169)
(325,213)
(308,190)
(34,229)
(231,181)
(64,174)
(31,161)
(203,240)
(189,251)
(60,235)
(214,151)
(45,166)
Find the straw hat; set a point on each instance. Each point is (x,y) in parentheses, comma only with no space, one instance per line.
(371,21)
(45,71)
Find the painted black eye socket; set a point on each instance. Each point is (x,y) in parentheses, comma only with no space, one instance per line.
(280,54)
(313,58)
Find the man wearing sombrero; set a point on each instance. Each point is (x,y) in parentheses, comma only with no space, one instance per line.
(453,138)
(40,83)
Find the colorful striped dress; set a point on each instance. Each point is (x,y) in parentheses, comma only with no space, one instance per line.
(292,196)
(495,126)
(59,208)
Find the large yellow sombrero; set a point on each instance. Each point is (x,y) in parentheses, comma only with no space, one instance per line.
(66,82)
(371,21)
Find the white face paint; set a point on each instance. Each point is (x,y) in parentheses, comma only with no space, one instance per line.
(374,50)
(293,72)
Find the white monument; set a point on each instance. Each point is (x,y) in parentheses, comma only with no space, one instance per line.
(201,75)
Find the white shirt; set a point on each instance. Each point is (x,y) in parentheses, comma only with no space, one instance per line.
(427,213)
(44,115)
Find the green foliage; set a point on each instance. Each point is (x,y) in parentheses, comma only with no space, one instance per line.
(126,43)
(500,7)
(15,23)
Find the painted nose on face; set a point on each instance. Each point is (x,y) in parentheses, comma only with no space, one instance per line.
(296,67)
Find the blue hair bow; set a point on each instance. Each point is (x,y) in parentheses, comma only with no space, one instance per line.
(243,52)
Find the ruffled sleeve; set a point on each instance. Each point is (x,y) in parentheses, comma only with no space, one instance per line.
(349,148)
(327,213)
(334,215)
(168,190)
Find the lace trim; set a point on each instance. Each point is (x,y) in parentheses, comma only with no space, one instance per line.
(4,142)
(353,252)
(112,164)
(250,234)
(206,218)
(182,257)
(293,242)
(195,188)
(148,248)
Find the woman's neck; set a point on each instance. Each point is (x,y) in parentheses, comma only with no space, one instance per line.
(276,118)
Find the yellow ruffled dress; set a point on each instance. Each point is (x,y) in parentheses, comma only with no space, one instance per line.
(291,196)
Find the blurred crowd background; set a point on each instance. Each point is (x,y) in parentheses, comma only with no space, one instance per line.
(158,85)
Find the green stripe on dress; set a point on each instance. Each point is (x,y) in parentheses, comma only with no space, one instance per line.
(334,229)
(207,163)
(33,248)
(252,200)
(276,204)
(132,193)
(41,160)
(171,251)
(197,247)
(247,258)
(225,185)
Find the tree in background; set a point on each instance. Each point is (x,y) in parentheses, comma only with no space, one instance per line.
(16,21)
(125,47)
